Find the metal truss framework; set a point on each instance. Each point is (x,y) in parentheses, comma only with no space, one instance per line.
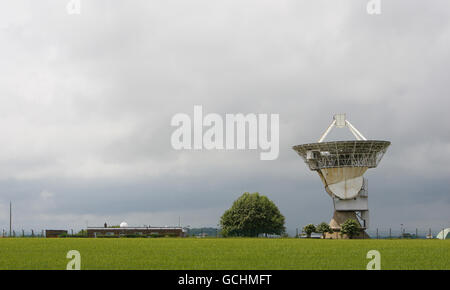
(356,153)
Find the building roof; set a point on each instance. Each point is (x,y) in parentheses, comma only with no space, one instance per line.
(134,228)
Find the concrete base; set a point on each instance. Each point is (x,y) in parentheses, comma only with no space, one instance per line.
(338,219)
(338,235)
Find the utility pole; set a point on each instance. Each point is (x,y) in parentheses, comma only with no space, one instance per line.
(10,218)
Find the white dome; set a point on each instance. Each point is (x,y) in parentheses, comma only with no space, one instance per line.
(444,234)
(123,225)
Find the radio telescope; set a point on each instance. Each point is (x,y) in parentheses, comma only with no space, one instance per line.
(341,166)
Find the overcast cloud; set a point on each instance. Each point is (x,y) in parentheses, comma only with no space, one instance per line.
(86,102)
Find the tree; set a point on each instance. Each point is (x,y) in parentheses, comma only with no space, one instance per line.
(324,228)
(309,229)
(82,233)
(250,215)
(351,228)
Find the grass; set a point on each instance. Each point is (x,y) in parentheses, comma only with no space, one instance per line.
(223,254)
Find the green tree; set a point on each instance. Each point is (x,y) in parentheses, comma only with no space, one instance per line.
(82,233)
(351,228)
(324,228)
(309,229)
(250,215)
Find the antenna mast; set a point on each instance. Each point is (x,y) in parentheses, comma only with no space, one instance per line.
(10,218)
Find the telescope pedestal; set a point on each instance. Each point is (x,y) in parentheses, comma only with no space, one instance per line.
(339,217)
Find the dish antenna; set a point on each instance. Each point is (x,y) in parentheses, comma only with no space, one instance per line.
(341,166)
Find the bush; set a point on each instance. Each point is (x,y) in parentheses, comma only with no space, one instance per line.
(131,236)
(350,228)
(324,228)
(309,229)
(72,236)
(107,236)
(155,236)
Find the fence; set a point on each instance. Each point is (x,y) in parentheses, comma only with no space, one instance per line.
(403,233)
(374,233)
(391,233)
(22,233)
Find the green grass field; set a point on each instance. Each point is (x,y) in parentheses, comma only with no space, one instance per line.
(227,254)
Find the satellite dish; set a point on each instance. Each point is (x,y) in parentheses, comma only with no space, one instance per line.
(341,166)
(344,182)
(123,225)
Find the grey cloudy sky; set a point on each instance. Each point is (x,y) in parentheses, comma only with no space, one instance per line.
(86,102)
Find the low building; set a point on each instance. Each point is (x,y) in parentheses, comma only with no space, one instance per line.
(313,236)
(93,232)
